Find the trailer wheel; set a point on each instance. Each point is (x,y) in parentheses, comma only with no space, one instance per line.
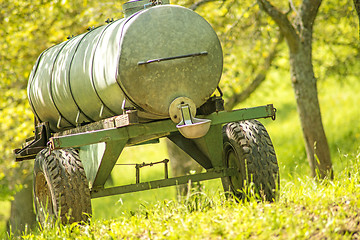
(60,187)
(248,148)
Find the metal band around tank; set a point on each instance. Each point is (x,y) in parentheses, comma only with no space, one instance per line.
(92,69)
(50,84)
(69,73)
(117,68)
(30,84)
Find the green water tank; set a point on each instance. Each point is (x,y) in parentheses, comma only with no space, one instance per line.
(157,53)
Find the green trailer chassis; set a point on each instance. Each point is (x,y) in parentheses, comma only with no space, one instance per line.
(119,132)
(101,143)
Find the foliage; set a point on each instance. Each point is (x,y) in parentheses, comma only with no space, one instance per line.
(336,41)
(246,34)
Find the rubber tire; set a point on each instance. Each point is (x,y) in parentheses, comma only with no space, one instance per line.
(60,178)
(247,146)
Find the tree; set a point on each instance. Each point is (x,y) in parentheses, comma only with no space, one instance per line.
(250,45)
(258,78)
(357,7)
(298,36)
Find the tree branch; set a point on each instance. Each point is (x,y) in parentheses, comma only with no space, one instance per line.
(259,78)
(292,7)
(357,8)
(308,12)
(200,3)
(287,29)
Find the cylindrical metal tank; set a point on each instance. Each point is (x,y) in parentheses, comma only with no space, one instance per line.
(149,58)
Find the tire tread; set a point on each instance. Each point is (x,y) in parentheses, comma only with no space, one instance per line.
(256,152)
(66,178)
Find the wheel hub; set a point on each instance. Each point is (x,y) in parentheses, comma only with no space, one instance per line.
(43,201)
(233,162)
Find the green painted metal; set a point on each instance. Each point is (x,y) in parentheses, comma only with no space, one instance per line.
(207,151)
(112,152)
(142,132)
(88,77)
(99,160)
(266,111)
(211,145)
(151,130)
(189,147)
(91,157)
(212,174)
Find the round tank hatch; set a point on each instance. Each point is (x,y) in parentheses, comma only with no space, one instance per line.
(168,52)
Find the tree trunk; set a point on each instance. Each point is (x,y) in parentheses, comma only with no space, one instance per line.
(22,214)
(299,40)
(181,164)
(357,8)
(305,88)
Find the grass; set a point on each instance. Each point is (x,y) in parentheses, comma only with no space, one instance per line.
(306,209)
(4,214)
(114,206)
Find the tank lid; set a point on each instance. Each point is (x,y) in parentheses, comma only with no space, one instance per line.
(131,7)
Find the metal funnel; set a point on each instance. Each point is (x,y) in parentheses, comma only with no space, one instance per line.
(191,127)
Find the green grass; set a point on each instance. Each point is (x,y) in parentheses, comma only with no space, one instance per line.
(306,210)
(114,206)
(4,214)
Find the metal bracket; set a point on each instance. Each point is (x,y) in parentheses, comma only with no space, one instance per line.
(141,165)
(166,168)
(210,174)
(213,104)
(38,143)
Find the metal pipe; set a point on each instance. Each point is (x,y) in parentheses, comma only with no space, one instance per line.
(211,174)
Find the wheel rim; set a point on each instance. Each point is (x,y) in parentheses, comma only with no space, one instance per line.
(43,200)
(232,160)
